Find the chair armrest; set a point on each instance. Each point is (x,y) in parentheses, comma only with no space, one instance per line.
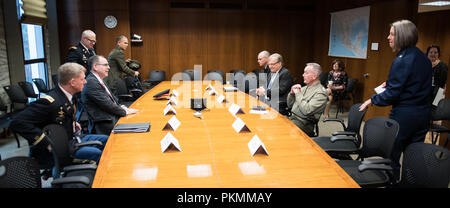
(88,143)
(135,90)
(348,133)
(364,167)
(335,120)
(340,138)
(377,161)
(79,167)
(72,179)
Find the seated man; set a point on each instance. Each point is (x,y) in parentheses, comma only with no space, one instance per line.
(279,82)
(308,102)
(101,105)
(57,107)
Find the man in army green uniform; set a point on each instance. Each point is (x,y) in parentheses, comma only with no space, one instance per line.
(308,102)
(118,64)
(81,52)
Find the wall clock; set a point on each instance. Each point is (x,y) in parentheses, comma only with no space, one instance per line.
(110,22)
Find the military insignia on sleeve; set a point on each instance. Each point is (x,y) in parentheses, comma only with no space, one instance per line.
(73,47)
(49,98)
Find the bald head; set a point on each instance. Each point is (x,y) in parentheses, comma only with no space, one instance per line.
(88,39)
(263,58)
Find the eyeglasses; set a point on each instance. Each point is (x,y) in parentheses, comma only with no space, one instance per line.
(92,41)
(271,64)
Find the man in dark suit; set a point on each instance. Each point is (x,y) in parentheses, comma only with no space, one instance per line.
(57,107)
(279,82)
(81,52)
(101,105)
(263,60)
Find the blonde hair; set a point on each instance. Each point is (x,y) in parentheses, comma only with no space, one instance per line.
(68,71)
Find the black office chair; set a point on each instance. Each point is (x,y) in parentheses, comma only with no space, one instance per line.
(63,163)
(194,74)
(155,77)
(28,89)
(181,76)
(425,166)
(125,98)
(218,71)
(214,76)
(42,87)
(323,77)
(20,172)
(5,121)
(17,96)
(251,83)
(349,94)
(343,143)
(134,86)
(378,139)
(238,80)
(442,113)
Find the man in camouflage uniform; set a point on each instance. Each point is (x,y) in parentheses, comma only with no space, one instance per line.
(308,102)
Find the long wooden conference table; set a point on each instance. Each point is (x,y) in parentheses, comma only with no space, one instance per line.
(213,154)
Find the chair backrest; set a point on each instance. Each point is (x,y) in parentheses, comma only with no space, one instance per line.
(251,82)
(3,107)
(194,74)
(355,118)
(28,89)
(16,94)
(378,137)
(181,76)
(121,87)
(157,76)
(40,84)
(323,77)
(351,84)
(442,111)
(60,144)
(19,172)
(239,78)
(425,166)
(214,76)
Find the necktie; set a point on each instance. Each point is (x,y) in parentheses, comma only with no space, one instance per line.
(110,96)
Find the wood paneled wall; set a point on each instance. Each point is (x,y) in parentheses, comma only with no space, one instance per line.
(434,29)
(175,39)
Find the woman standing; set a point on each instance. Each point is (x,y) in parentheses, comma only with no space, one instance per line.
(408,89)
(337,81)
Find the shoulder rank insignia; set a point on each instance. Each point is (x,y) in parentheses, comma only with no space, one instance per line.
(73,47)
(49,98)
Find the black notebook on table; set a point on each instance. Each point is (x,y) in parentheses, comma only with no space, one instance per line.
(131,128)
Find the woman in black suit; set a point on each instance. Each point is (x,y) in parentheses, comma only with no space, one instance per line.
(408,89)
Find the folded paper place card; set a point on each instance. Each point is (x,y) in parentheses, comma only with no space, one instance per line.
(170,143)
(172,124)
(212,92)
(175,93)
(235,109)
(169,110)
(209,87)
(173,101)
(221,99)
(230,89)
(256,146)
(239,126)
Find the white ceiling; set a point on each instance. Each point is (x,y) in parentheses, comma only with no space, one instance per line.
(431,8)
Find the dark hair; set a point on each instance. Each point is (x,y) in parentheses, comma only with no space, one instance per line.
(434,46)
(340,64)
